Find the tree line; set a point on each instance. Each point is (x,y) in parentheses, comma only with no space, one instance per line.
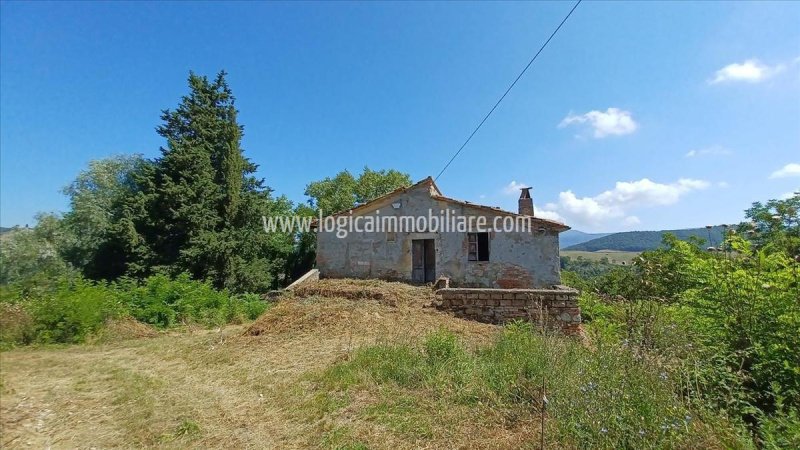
(194,209)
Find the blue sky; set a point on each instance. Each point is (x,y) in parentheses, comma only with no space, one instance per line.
(638,115)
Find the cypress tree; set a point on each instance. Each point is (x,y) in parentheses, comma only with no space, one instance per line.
(202,204)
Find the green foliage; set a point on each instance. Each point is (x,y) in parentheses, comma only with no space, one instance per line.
(344,191)
(200,207)
(775,224)
(608,397)
(197,209)
(71,309)
(68,313)
(585,268)
(781,430)
(725,320)
(32,255)
(332,195)
(99,217)
(165,302)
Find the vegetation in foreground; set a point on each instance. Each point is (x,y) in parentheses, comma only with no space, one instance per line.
(603,397)
(686,347)
(74,310)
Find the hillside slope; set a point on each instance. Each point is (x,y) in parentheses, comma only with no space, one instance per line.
(575,237)
(639,241)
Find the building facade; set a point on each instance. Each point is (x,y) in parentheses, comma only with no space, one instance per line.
(417,234)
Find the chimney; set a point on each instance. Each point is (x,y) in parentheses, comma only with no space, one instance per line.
(526,202)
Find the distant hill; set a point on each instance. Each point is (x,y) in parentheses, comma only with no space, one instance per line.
(575,237)
(639,241)
(5,230)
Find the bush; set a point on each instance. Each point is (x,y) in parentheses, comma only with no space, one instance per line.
(726,321)
(69,309)
(164,302)
(73,311)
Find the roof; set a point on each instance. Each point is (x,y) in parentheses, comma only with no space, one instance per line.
(439,196)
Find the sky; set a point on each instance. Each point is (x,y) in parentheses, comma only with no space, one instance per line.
(637,116)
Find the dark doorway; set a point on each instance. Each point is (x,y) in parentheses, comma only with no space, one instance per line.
(423,260)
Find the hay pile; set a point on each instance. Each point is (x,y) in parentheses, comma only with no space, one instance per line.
(123,329)
(362,309)
(385,292)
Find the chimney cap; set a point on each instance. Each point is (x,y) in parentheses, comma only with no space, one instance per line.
(526,192)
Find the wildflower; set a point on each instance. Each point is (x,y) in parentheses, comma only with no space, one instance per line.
(604,430)
(641,432)
(663,376)
(687,418)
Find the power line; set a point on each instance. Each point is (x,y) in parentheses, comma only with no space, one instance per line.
(509,88)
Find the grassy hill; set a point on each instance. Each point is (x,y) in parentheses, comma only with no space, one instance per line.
(612,256)
(639,241)
(574,237)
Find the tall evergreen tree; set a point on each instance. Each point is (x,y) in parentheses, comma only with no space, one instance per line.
(202,204)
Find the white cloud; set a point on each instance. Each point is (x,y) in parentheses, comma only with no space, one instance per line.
(547,214)
(789,170)
(514,187)
(714,150)
(788,195)
(723,184)
(612,122)
(613,206)
(751,71)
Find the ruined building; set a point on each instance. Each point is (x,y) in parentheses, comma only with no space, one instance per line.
(455,247)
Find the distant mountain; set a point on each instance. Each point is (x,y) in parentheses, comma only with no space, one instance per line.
(5,230)
(575,237)
(639,241)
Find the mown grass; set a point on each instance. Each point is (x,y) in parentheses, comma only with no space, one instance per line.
(605,397)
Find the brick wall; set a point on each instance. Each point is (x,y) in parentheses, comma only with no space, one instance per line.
(557,307)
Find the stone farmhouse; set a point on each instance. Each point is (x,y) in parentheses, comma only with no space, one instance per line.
(406,243)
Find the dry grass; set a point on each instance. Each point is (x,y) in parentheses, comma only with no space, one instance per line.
(386,293)
(123,329)
(243,387)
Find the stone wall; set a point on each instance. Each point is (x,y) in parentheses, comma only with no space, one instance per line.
(557,307)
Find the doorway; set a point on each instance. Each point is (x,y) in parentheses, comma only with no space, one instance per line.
(423,260)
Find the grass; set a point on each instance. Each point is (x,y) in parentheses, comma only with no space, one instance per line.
(605,397)
(211,388)
(329,372)
(613,256)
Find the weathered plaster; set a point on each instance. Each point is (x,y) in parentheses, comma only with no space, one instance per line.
(525,259)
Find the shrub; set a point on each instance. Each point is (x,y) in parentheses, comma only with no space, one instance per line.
(74,310)
(69,309)
(248,307)
(165,302)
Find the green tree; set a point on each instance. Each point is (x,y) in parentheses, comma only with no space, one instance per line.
(775,224)
(199,210)
(100,218)
(33,256)
(344,191)
(333,195)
